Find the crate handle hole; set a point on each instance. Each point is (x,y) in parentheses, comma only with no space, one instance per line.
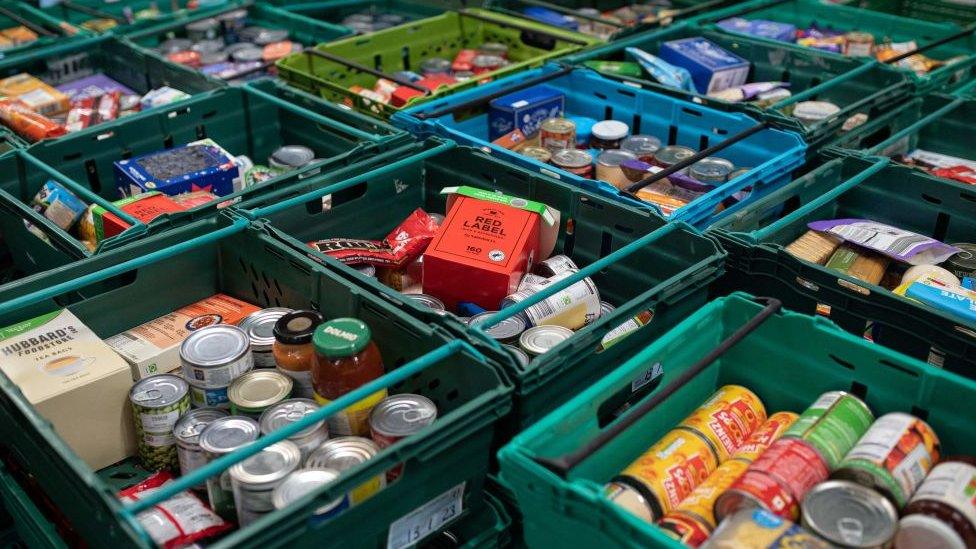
(968,196)
(841,361)
(898,367)
(434,384)
(692,112)
(932,199)
(178,112)
(209,114)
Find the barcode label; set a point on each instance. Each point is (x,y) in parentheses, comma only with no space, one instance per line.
(426,519)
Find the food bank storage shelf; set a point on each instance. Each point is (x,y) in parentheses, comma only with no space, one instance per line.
(771,154)
(804,13)
(253,121)
(929,10)
(856,188)
(356,61)
(849,83)
(50,30)
(137,284)
(570,509)
(636,261)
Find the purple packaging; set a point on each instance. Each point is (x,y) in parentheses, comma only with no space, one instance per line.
(898,244)
(199,166)
(712,68)
(92,86)
(525,110)
(762,28)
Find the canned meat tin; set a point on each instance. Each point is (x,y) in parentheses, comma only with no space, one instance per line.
(259,327)
(255,479)
(218,439)
(291,411)
(727,419)
(342,453)
(256,391)
(849,515)
(832,425)
(301,483)
(157,404)
(187,433)
(539,340)
(215,356)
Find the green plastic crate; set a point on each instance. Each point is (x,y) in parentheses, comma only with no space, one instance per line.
(125,13)
(871,89)
(129,286)
(852,187)
(50,29)
(636,261)
(254,121)
(489,529)
(930,10)
(406,46)
(570,510)
(334,11)
(803,13)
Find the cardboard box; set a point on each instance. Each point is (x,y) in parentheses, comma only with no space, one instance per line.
(75,381)
(144,207)
(198,166)
(154,347)
(487,242)
(524,110)
(40,97)
(712,68)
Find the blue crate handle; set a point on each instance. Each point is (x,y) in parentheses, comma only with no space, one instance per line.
(919,124)
(318,118)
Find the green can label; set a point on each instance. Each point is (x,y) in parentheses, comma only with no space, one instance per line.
(832,424)
(154,429)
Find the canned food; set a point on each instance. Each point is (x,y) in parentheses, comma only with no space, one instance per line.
(670,470)
(254,480)
(342,453)
(628,498)
(774,427)
(608,134)
(574,161)
(572,307)
(262,36)
(539,340)
(962,264)
(259,327)
(291,157)
(849,515)
(760,529)
(231,24)
(293,411)
(685,528)
(216,355)
(711,170)
(505,331)
(157,404)
(892,457)
(776,481)
(187,433)
(606,308)
(530,282)
(642,146)
(486,63)
(174,45)
(221,437)
(397,417)
(672,154)
(493,48)
(214,58)
(832,425)
(209,398)
(538,153)
(204,47)
(942,513)
(254,392)
(858,44)
(428,301)
(435,65)
(557,133)
(726,419)
(247,55)
(812,112)
(204,29)
(520,355)
(556,265)
(301,483)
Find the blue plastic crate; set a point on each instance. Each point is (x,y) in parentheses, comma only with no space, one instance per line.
(771,154)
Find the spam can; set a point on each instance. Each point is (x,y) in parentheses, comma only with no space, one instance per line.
(832,425)
(727,419)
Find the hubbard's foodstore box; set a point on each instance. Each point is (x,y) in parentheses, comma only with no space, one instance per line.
(154,347)
(75,381)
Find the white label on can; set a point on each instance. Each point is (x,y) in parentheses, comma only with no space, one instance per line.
(572,308)
(159,441)
(159,423)
(622,331)
(426,519)
(219,376)
(190,460)
(530,283)
(886,433)
(951,483)
(559,264)
(303,387)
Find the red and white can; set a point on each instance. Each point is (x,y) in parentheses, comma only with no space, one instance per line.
(397,417)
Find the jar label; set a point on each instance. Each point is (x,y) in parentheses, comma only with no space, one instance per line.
(954,484)
(354,420)
(303,387)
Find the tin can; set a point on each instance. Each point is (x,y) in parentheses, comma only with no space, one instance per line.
(174,45)
(216,355)
(292,411)
(291,157)
(486,63)
(520,356)
(776,481)
(712,170)
(557,133)
(537,153)
(186,57)
(685,528)
(858,44)
(644,147)
(434,66)
(670,470)
(256,391)
(813,112)
(606,308)
(214,58)
(538,340)
(342,453)
(301,483)
(209,398)
(727,419)
(573,307)
(254,480)
(849,515)
(494,48)
(628,498)
(505,331)
(247,55)
(204,29)
(574,161)
(760,529)
(530,282)
(962,264)
(259,327)
(672,154)
(157,403)
(556,265)
(832,425)
(231,25)
(428,301)
(262,36)
(187,433)
(892,457)
(397,417)
(609,167)
(221,437)
(204,47)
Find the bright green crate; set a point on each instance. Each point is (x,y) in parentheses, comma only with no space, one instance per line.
(871,89)
(126,287)
(803,13)
(930,10)
(405,47)
(859,188)
(788,360)
(636,261)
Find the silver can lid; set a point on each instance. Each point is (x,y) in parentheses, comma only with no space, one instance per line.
(259,326)
(342,453)
(849,514)
(428,301)
(259,389)
(291,156)
(711,169)
(227,434)
(402,415)
(630,499)
(189,427)
(506,330)
(572,158)
(610,130)
(203,24)
(301,483)
(159,391)
(269,466)
(641,144)
(539,339)
(606,308)
(520,355)
(614,157)
(232,15)
(287,412)
(672,154)
(215,345)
